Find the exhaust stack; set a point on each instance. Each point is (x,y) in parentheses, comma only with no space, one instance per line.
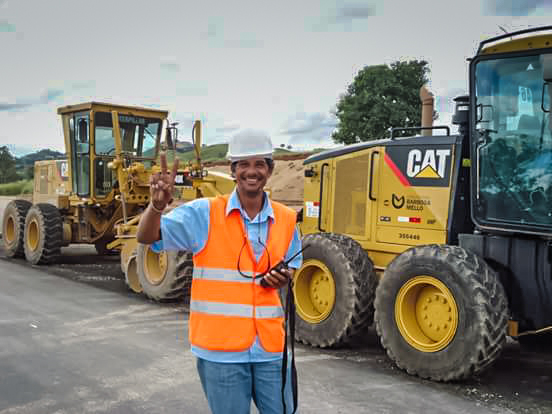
(426,97)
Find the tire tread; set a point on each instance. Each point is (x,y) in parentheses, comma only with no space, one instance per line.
(489,299)
(51,227)
(178,286)
(19,208)
(359,294)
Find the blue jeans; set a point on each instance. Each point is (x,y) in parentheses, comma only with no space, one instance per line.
(230,387)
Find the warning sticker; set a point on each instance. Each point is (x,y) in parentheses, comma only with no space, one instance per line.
(312,208)
(64,169)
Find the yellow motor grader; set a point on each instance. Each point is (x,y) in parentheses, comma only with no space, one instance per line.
(97,194)
(444,241)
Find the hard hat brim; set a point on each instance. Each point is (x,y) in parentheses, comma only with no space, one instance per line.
(234,158)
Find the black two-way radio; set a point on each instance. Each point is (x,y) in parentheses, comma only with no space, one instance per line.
(282,265)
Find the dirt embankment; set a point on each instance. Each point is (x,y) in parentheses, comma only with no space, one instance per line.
(286,182)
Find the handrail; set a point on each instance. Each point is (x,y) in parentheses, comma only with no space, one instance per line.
(517,33)
(420,128)
(372,175)
(321,192)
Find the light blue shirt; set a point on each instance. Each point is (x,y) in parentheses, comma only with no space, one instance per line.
(187,228)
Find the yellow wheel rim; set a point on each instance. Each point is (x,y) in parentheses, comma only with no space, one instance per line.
(33,235)
(426,313)
(132,276)
(155,266)
(9,230)
(314,291)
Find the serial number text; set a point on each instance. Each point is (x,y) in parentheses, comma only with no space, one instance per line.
(409,236)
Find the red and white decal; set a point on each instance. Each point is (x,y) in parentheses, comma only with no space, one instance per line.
(312,209)
(402,219)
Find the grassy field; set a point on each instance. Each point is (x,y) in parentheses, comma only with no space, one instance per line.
(16,188)
(210,153)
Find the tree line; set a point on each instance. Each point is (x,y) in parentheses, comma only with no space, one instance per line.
(8,173)
(14,169)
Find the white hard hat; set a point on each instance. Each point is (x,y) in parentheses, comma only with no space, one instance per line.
(249,143)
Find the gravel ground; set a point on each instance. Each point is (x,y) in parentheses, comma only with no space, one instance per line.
(519,382)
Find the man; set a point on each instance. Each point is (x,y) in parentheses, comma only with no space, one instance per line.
(236,323)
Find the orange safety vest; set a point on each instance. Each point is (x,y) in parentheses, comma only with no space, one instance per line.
(227,310)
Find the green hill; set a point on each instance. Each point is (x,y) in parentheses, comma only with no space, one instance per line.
(283,151)
(217,153)
(28,160)
(209,153)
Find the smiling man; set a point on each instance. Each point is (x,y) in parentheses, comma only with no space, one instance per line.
(236,323)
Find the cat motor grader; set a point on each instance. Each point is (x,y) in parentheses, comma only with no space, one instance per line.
(97,194)
(444,240)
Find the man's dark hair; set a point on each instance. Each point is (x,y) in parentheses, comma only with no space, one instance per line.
(269,162)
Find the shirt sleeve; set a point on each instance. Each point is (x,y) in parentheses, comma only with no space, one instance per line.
(294,247)
(185,228)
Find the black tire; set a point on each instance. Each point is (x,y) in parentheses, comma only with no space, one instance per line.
(43,234)
(13,227)
(481,318)
(171,283)
(355,284)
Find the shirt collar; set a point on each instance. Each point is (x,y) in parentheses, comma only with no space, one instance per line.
(235,204)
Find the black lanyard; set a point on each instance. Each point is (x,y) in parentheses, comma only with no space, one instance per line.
(289,320)
(239,257)
(289,325)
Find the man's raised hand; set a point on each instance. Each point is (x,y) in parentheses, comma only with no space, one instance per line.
(162,184)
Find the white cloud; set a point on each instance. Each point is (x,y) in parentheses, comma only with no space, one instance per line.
(278,66)
(514,7)
(309,129)
(345,16)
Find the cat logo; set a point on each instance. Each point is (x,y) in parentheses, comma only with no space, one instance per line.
(421,165)
(431,163)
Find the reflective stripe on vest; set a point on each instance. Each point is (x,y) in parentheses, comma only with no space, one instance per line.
(227,275)
(231,309)
(228,310)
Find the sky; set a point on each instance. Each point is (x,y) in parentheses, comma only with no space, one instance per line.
(276,65)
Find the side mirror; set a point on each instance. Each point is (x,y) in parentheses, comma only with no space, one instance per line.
(169,136)
(168,139)
(172,136)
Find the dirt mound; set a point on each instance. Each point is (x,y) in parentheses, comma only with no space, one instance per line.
(286,182)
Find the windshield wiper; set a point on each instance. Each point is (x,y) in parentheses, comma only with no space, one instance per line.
(149,133)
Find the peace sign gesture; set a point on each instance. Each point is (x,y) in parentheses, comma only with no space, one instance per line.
(162,184)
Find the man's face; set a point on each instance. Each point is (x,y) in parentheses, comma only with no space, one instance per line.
(251,175)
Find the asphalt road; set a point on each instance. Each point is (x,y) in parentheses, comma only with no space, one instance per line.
(74,340)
